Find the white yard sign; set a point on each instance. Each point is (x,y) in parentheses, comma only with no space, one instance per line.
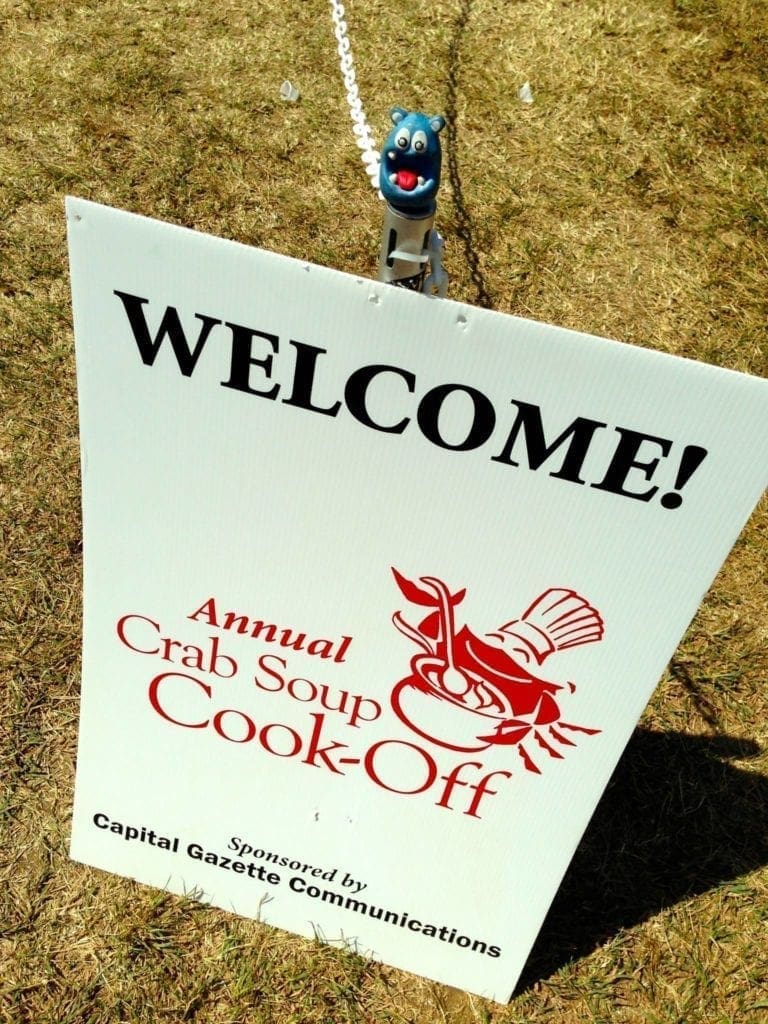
(376,587)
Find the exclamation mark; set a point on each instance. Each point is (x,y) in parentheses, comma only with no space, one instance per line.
(693,456)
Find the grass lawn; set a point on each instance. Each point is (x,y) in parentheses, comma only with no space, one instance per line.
(630,199)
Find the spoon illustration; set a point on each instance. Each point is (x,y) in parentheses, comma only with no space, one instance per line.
(452,679)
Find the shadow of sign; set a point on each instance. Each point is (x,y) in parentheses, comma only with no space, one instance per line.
(676,820)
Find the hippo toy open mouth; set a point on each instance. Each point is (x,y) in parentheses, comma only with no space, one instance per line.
(410,165)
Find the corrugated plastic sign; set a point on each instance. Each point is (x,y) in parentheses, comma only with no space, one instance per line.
(376,587)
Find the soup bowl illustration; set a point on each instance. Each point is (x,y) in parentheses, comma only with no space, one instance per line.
(435,715)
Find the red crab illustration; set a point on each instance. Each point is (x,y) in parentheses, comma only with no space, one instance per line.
(488,695)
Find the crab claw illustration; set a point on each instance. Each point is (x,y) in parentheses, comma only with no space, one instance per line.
(508,732)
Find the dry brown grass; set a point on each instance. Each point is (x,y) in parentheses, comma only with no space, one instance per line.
(630,200)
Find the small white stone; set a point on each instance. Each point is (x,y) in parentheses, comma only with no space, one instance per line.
(525,93)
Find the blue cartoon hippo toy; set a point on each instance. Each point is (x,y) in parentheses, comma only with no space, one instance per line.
(410,162)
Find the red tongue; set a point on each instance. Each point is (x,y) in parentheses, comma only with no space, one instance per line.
(406,180)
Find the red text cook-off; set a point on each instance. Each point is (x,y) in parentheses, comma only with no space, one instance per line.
(490,698)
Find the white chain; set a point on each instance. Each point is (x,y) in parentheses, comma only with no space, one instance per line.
(370,155)
(437,282)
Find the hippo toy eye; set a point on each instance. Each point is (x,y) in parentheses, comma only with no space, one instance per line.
(403,139)
(420,142)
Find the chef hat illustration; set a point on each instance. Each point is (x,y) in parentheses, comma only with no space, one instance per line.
(556,620)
